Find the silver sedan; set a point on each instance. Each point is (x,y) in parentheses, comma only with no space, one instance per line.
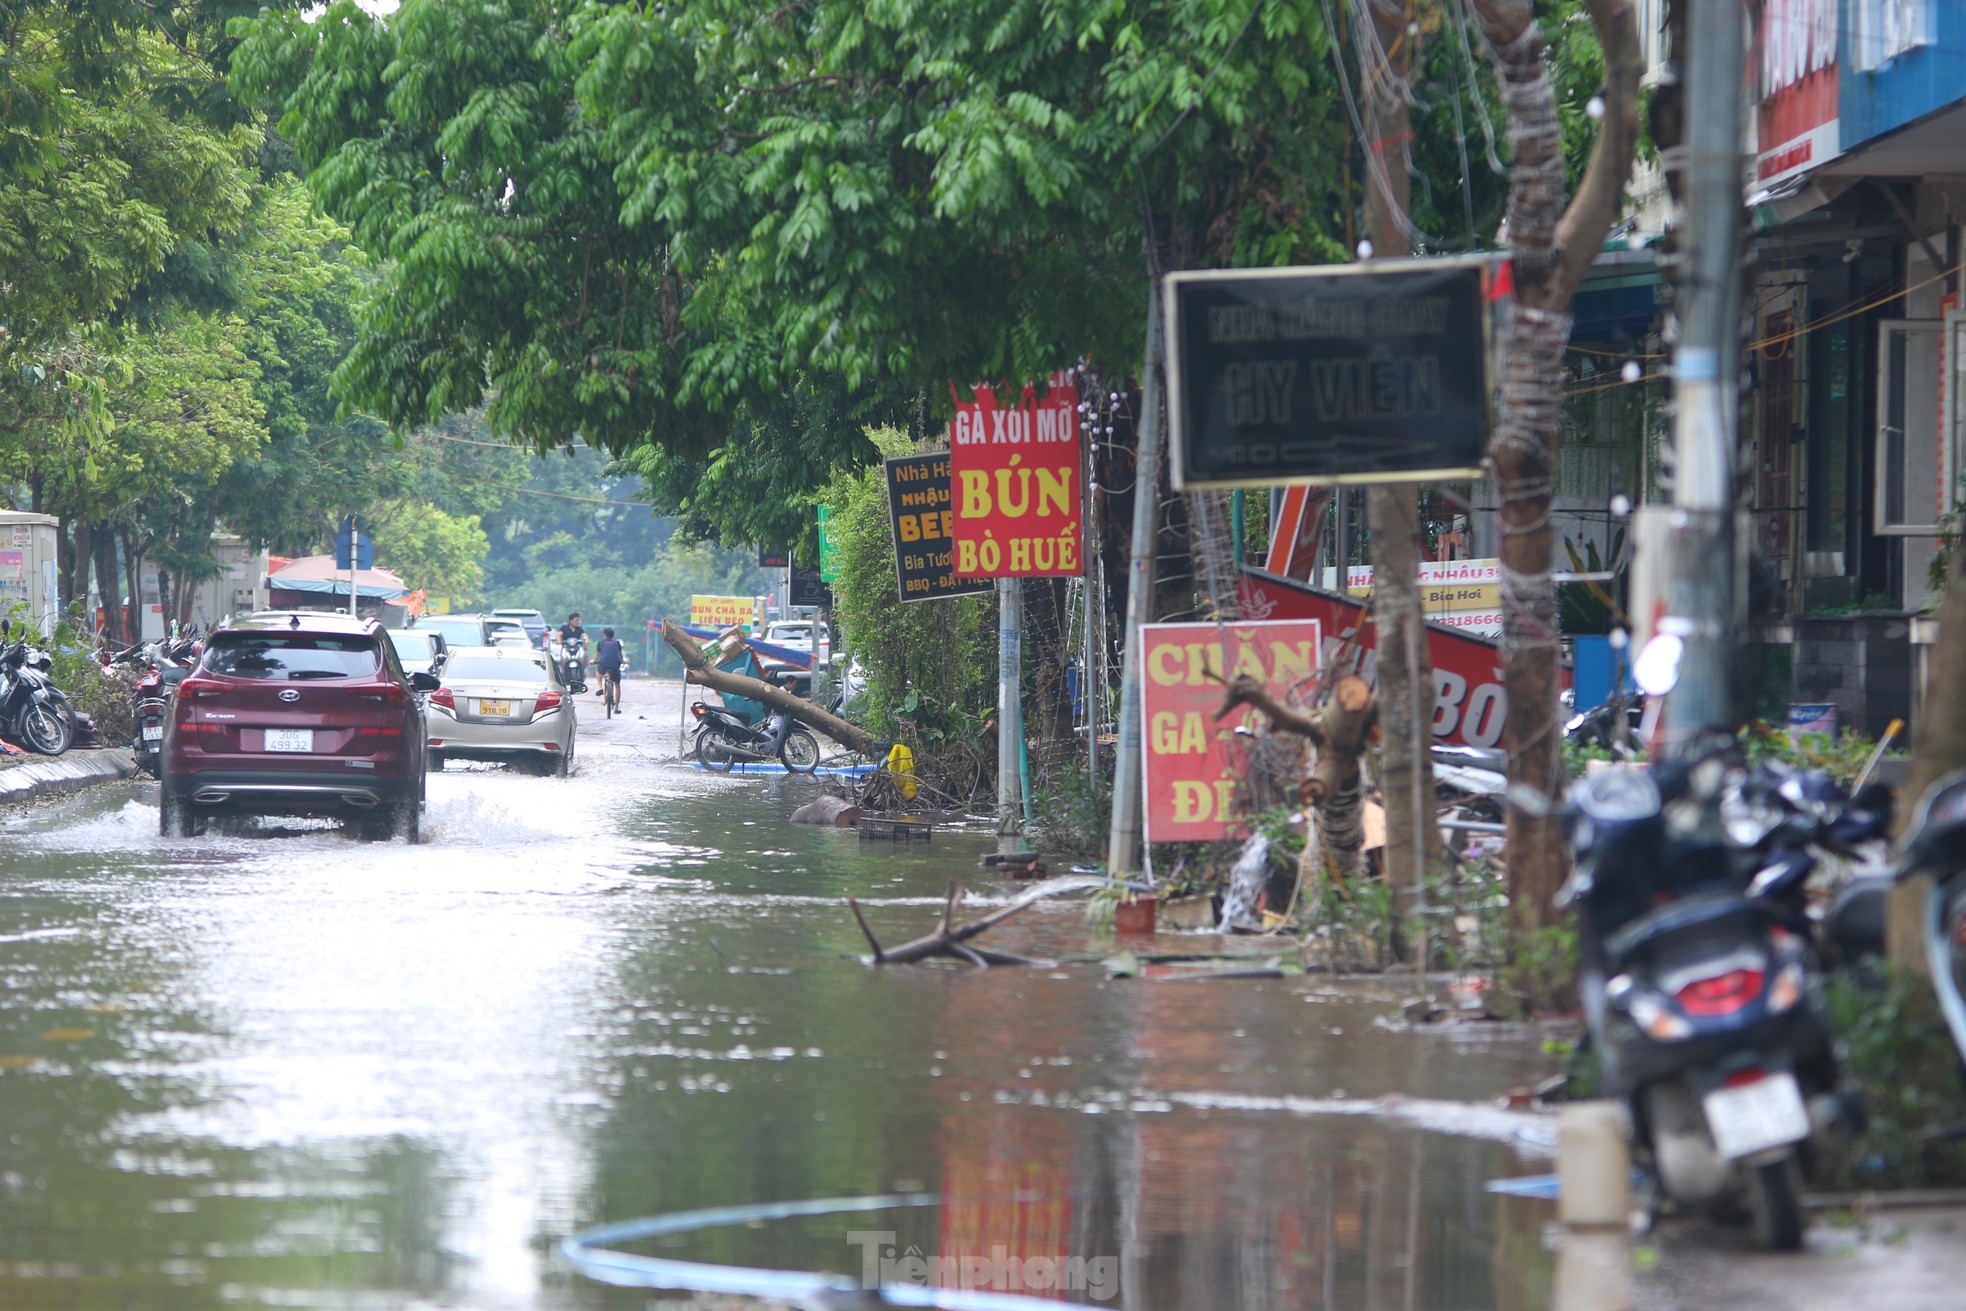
(505,704)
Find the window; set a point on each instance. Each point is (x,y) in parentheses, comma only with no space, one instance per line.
(1907,440)
(289,657)
(490,669)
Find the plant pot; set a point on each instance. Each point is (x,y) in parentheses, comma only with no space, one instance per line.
(1135,915)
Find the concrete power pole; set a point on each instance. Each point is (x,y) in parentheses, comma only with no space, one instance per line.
(1706,374)
(1123,839)
(1010,714)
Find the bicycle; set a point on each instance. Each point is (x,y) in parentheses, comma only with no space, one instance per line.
(611,690)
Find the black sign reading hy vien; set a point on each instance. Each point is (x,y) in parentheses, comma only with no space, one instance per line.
(918,506)
(1352,373)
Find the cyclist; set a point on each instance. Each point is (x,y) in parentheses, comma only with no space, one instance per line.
(608,660)
(573,649)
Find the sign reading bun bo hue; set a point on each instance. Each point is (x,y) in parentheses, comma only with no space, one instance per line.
(1189,775)
(1015,470)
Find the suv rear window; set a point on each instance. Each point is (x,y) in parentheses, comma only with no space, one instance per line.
(286,657)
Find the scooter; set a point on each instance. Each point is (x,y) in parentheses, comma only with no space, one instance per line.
(573,668)
(33,711)
(723,739)
(1702,999)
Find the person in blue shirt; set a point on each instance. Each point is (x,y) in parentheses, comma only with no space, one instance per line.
(609,659)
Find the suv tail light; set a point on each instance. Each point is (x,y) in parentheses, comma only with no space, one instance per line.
(442,697)
(193,688)
(1723,994)
(547,701)
(390,694)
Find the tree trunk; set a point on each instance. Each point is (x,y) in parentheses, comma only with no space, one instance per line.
(1338,730)
(1938,748)
(1406,680)
(79,559)
(110,585)
(698,669)
(1551,249)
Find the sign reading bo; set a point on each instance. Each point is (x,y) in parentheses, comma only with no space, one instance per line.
(1016,477)
(1190,778)
(1353,373)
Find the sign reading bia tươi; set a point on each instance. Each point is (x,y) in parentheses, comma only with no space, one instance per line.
(1190,777)
(1351,373)
(1015,470)
(918,511)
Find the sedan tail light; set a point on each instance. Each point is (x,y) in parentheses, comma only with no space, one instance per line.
(442,697)
(1722,994)
(547,701)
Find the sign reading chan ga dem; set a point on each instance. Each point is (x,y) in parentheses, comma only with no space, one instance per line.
(1351,373)
(918,505)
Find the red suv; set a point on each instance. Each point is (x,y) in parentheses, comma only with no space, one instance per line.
(297,714)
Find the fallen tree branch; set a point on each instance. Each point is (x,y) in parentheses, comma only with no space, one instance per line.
(698,669)
(952,939)
(1338,730)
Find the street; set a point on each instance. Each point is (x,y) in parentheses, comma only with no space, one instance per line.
(305,1071)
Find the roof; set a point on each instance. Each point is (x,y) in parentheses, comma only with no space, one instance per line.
(317,573)
(303,621)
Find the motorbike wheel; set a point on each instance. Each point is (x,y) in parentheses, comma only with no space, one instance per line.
(712,751)
(799,753)
(1775,1202)
(46,730)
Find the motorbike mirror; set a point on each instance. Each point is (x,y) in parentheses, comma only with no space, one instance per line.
(1656,671)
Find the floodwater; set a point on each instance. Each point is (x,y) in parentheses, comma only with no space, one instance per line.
(300,1071)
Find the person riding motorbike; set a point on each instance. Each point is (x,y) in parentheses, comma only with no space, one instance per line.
(573,650)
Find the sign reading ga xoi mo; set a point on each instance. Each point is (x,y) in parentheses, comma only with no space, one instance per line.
(1190,778)
(1352,373)
(1017,490)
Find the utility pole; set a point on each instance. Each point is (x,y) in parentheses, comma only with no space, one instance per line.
(1406,681)
(1010,714)
(1123,839)
(1706,375)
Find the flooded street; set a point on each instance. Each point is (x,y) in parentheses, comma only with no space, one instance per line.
(301,1071)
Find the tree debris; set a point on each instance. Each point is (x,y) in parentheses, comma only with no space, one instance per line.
(698,669)
(951,939)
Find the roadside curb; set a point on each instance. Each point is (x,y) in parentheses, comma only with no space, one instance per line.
(70,772)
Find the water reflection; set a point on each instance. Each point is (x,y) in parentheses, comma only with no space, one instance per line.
(324,1074)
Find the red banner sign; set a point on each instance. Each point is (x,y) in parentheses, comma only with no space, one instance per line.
(1190,778)
(1470,704)
(1015,471)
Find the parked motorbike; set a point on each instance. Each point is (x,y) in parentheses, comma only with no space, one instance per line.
(163,667)
(573,667)
(1702,999)
(33,712)
(723,739)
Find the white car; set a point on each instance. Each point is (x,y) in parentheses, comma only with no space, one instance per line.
(799,635)
(502,703)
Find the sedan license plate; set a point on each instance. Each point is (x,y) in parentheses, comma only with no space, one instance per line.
(1753,1117)
(495,707)
(153,732)
(289,739)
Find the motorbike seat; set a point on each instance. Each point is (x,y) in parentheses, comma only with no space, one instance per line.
(1703,912)
(1854,923)
(174,674)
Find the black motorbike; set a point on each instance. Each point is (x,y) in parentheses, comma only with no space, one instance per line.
(723,739)
(1702,998)
(33,712)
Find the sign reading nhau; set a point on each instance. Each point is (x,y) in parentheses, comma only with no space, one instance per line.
(1015,471)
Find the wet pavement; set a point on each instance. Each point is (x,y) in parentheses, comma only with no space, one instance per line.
(301,1071)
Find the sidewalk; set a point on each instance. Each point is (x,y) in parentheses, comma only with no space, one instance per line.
(45,776)
(1905,1258)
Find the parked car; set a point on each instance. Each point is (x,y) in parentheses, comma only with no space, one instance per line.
(504,704)
(807,635)
(535,623)
(421,650)
(457,630)
(507,632)
(296,713)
